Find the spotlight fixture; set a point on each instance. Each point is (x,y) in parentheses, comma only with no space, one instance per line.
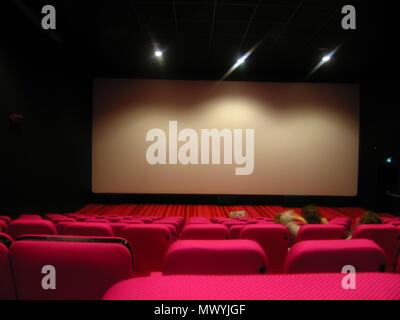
(158,53)
(326,58)
(241,60)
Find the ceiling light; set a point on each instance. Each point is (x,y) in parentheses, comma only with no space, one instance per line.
(241,60)
(158,53)
(326,58)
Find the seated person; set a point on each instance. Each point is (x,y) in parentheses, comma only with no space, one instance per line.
(289,219)
(312,215)
(370,217)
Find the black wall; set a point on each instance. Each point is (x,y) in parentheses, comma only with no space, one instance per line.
(45,160)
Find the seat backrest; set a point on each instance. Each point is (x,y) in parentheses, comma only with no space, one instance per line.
(321,232)
(117,228)
(30,216)
(204,232)
(215,257)
(146,219)
(320,256)
(20,227)
(234,231)
(6,239)
(150,243)
(94,229)
(384,235)
(6,219)
(61,226)
(199,220)
(3,226)
(84,267)
(97,220)
(273,239)
(7,290)
(343,221)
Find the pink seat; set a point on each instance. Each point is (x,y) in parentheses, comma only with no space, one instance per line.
(177,225)
(97,220)
(370,286)
(146,219)
(61,219)
(319,256)
(198,220)
(215,257)
(30,216)
(6,219)
(6,239)
(3,226)
(117,228)
(172,229)
(94,229)
(398,265)
(85,267)
(274,239)
(384,235)
(7,291)
(343,221)
(234,231)
(205,232)
(150,243)
(61,226)
(230,224)
(20,227)
(321,232)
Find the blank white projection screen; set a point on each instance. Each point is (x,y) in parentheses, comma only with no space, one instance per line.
(208,137)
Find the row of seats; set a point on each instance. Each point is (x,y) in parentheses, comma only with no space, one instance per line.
(152,240)
(85,267)
(322,286)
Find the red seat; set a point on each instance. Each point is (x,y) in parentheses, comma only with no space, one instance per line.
(114,219)
(370,286)
(172,229)
(343,221)
(319,256)
(321,232)
(177,225)
(199,220)
(94,229)
(384,235)
(20,227)
(234,231)
(6,219)
(85,267)
(97,220)
(150,243)
(61,226)
(205,232)
(7,291)
(30,216)
(215,257)
(274,239)
(398,265)
(3,226)
(117,228)
(6,239)
(146,219)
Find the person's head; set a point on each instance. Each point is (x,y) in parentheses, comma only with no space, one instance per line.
(370,217)
(278,217)
(311,215)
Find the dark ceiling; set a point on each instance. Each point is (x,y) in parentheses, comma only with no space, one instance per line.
(201,39)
